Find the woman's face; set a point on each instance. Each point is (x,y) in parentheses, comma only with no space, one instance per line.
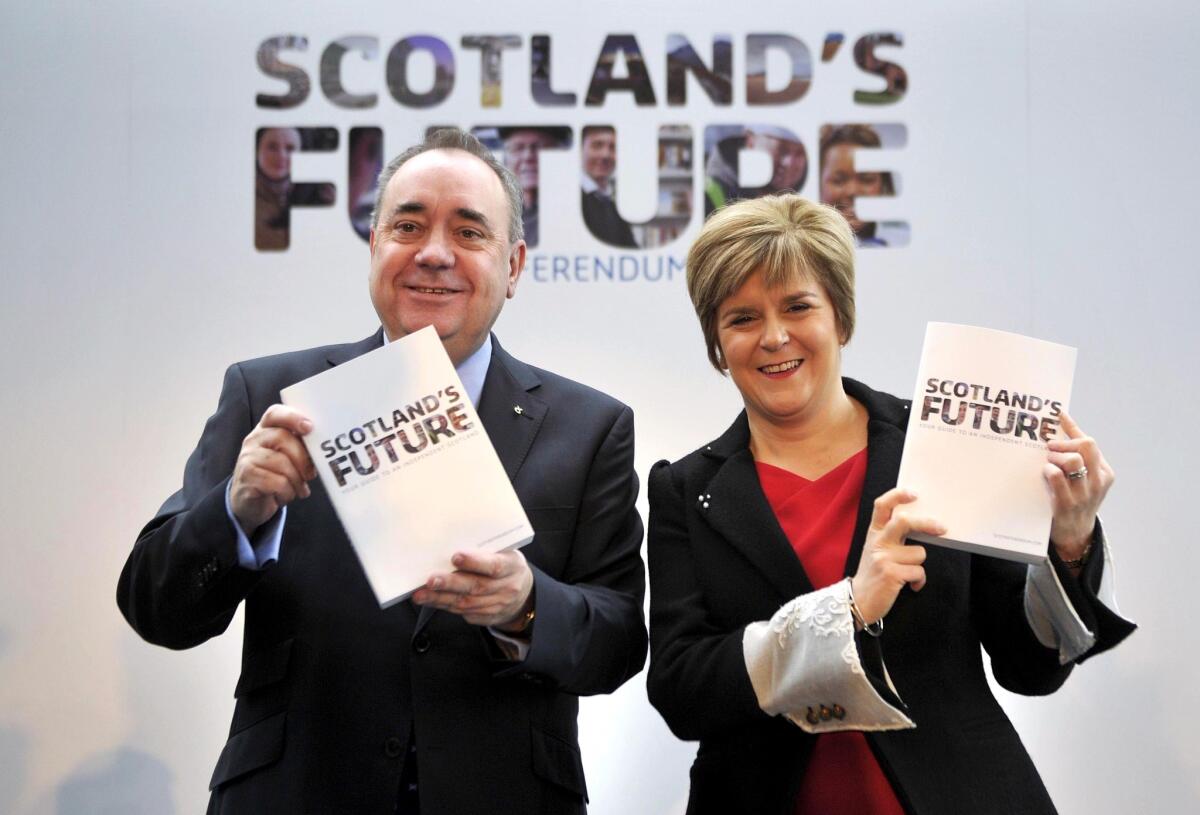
(782,348)
(275,150)
(841,183)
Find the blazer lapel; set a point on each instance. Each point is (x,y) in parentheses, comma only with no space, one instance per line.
(739,512)
(511,415)
(885,443)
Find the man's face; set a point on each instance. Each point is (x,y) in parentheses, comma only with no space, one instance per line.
(521,155)
(440,253)
(841,183)
(275,150)
(600,155)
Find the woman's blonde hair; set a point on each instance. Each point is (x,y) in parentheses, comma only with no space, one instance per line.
(784,237)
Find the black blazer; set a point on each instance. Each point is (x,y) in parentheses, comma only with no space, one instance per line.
(714,570)
(332,687)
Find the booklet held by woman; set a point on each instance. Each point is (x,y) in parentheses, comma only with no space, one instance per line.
(985,404)
(405,460)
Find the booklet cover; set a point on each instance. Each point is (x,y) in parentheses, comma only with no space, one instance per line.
(407,464)
(985,404)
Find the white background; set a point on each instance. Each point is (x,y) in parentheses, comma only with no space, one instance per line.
(1049,179)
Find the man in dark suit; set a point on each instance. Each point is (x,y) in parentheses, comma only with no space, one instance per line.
(464,700)
(597,188)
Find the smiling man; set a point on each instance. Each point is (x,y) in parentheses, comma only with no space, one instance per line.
(465,699)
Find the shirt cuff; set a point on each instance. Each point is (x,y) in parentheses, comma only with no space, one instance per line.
(256,554)
(1054,620)
(804,664)
(514,648)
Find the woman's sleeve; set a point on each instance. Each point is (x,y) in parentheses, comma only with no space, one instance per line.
(807,664)
(803,663)
(1076,616)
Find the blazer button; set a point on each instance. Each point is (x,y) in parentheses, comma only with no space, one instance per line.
(393,747)
(811,717)
(421,643)
(839,712)
(826,713)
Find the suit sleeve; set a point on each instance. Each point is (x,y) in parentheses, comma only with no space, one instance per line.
(589,635)
(182,582)
(698,679)
(1007,600)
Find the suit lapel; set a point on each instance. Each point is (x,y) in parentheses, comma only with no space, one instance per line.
(512,416)
(345,353)
(510,411)
(739,512)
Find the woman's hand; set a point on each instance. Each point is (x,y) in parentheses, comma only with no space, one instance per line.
(887,563)
(1079,478)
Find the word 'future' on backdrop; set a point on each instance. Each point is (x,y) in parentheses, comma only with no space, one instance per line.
(620,67)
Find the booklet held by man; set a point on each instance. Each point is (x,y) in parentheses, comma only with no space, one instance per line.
(985,404)
(407,464)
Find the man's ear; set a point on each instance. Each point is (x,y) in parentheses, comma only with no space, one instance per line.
(371,242)
(516,264)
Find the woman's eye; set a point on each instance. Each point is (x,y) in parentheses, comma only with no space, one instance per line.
(799,307)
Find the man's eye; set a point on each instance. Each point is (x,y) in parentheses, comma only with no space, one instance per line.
(406,226)
(471,234)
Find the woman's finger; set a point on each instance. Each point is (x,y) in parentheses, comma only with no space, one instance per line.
(886,504)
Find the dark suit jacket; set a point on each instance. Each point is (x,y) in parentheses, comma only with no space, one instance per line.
(714,570)
(604,222)
(332,686)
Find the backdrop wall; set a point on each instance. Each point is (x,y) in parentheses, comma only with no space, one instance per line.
(1044,169)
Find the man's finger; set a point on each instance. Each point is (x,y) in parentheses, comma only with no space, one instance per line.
(283,441)
(489,564)
(265,460)
(287,418)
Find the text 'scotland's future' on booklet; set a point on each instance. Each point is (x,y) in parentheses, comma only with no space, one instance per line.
(407,464)
(985,405)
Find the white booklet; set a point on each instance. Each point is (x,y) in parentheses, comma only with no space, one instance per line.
(985,404)
(407,464)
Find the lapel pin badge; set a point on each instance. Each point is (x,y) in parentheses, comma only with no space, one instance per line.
(703,500)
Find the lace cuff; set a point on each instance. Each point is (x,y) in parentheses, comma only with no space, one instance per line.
(804,664)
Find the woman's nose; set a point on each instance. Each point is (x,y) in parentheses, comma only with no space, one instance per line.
(774,336)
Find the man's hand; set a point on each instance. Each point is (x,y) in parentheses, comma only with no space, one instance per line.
(491,589)
(272,469)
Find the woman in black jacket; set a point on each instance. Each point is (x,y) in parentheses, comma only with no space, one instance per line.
(777,553)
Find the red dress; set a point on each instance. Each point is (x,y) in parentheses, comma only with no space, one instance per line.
(843,777)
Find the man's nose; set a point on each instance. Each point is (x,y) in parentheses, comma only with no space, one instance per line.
(436,252)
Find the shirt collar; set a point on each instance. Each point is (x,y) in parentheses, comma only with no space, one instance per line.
(472,370)
(588,185)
